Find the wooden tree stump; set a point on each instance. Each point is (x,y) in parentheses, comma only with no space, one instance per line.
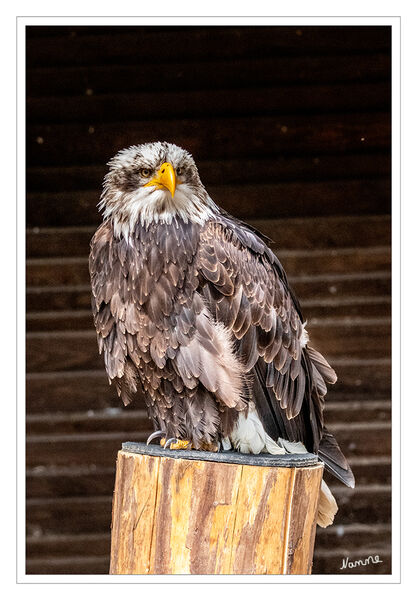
(182,512)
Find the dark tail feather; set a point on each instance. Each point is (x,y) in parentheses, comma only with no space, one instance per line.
(336,463)
(322,365)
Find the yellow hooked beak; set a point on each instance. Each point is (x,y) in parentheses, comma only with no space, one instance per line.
(165,178)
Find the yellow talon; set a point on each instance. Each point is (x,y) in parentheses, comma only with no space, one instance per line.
(180,445)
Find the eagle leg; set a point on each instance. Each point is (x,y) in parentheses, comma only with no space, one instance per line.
(156,434)
(176,444)
(210,447)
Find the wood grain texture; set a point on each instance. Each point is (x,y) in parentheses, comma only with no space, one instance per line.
(175,516)
(135,498)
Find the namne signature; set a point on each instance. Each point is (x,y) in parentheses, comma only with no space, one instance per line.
(361,562)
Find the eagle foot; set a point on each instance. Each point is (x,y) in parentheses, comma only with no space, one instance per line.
(176,444)
(154,435)
(210,447)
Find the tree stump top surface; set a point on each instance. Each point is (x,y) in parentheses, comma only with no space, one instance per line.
(230,457)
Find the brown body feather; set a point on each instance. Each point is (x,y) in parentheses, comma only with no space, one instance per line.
(200,319)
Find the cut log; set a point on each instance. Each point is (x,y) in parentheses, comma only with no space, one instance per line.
(193,512)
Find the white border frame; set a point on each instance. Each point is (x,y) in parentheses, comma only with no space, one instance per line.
(395,23)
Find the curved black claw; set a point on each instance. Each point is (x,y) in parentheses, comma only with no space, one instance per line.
(154,435)
(169,442)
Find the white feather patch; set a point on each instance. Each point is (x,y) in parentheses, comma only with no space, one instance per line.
(292,447)
(304,338)
(250,437)
(220,371)
(150,205)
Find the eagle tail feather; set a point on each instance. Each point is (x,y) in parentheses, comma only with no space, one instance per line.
(327,508)
(335,461)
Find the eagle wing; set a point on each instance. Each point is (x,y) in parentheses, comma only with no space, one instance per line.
(152,324)
(246,289)
(112,302)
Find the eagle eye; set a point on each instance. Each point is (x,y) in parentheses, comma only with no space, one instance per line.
(179,171)
(145,172)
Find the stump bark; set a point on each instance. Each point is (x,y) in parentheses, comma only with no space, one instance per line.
(193,512)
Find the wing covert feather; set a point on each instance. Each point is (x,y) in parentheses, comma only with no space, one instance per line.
(255,302)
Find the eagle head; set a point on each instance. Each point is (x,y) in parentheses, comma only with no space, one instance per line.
(153,183)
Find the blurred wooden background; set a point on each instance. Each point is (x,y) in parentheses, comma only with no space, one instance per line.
(290,128)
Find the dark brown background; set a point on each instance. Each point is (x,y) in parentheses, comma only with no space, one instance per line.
(290,127)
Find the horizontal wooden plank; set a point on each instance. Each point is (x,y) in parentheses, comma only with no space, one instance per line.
(89,390)
(352,411)
(70,391)
(352,336)
(353,541)
(314,287)
(79,515)
(277,168)
(351,306)
(358,439)
(97,449)
(323,564)
(328,562)
(96,79)
(74,270)
(340,286)
(118,419)
(370,503)
(353,537)
(107,420)
(61,546)
(92,479)
(68,350)
(280,200)
(58,241)
(68,515)
(359,306)
(214,138)
(202,43)
(57,320)
(136,106)
(72,30)
(58,298)
(301,233)
(63,481)
(372,469)
(57,271)
(68,565)
(100,448)
(365,376)
(368,470)
(98,544)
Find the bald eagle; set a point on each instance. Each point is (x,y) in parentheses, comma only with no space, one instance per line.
(194,314)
